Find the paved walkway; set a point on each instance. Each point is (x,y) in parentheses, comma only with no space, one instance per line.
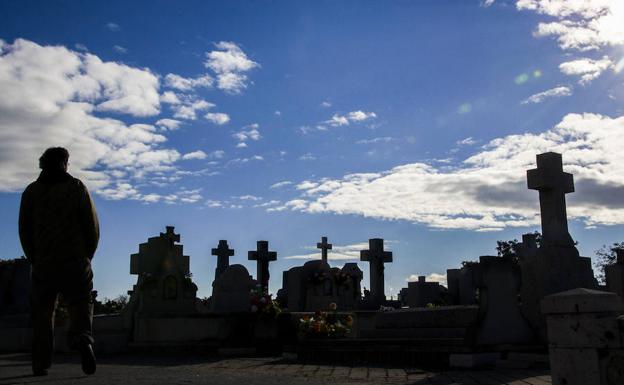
(195,369)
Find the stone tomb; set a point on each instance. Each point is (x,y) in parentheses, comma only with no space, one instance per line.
(231,290)
(556,265)
(164,286)
(462,284)
(615,274)
(421,292)
(315,285)
(501,319)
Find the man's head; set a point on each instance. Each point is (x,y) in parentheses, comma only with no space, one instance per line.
(54,159)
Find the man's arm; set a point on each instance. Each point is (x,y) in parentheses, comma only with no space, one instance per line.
(91,225)
(26,227)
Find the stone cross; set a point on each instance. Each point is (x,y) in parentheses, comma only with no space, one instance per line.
(223,253)
(263,256)
(170,235)
(552,183)
(376,256)
(324,246)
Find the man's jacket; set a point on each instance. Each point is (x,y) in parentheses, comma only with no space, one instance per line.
(57,220)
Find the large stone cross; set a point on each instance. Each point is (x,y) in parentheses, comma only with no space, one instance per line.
(170,235)
(552,183)
(324,246)
(223,253)
(376,256)
(263,256)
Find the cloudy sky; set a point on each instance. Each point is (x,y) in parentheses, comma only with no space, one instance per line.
(286,121)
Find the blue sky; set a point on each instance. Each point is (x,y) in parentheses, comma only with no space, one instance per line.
(413,121)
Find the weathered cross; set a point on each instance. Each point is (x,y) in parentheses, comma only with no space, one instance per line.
(263,256)
(223,253)
(552,183)
(376,256)
(324,246)
(170,235)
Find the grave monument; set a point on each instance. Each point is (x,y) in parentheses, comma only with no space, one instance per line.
(556,265)
(376,256)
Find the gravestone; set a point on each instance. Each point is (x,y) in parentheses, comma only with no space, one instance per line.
(376,256)
(614,274)
(452,281)
(164,286)
(556,265)
(14,286)
(462,285)
(223,253)
(421,292)
(528,247)
(263,257)
(315,285)
(231,290)
(502,321)
(324,246)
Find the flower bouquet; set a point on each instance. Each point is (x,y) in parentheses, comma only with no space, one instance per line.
(327,324)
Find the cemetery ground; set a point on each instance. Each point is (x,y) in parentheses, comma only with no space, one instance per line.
(201,369)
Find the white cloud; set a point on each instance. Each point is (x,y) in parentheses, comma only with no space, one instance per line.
(188,109)
(588,69)
(51,96)
(230,64)
(326,104)
(241,145)
(280,184)
(469,141)
(487,191)
(307,156)
(187,84)
(487,3)
(249,198)
(195,155)
(353,116)
(113,27)
(217,154)
(219,118)
(170,97)
(383,139)
(581,25)
(168,124)
(556,92)
(249,132)
(337,253)
(277,113)
(433,277)
(120,49)
(122,88)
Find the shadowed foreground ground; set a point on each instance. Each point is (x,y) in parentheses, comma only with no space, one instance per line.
(196,369)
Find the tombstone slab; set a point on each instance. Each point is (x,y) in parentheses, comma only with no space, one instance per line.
(232,290)
(376,256)
(263,257)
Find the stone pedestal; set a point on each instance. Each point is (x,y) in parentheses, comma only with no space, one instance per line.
(502,322)
(552,270)
(585,337)
(421,292)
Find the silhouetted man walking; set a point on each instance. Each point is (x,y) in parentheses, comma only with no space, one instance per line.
(59,231)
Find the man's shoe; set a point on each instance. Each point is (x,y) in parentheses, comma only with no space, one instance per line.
(88,358)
